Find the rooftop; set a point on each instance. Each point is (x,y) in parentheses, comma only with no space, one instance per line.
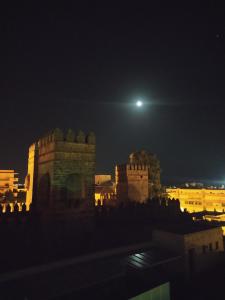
(83,275)
(148,259)
(183,229)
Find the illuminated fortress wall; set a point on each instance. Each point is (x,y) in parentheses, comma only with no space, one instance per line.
(61,174)
(132,182)
(31,178)
(195,200)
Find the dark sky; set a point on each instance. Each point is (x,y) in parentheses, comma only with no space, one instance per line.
(84,66)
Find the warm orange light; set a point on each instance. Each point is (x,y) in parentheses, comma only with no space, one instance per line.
(196,200)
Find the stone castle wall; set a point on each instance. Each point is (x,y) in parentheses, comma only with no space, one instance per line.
(65,171)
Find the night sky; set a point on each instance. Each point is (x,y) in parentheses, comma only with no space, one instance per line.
(83,67)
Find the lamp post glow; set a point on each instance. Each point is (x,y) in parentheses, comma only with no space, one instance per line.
(139,103)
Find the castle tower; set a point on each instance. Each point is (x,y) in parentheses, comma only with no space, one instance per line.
(145,158)
(61,171)
(132,182)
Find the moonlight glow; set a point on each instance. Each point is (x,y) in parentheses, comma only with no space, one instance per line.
(139,103)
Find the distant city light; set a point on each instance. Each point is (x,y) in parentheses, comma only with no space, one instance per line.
(139,103)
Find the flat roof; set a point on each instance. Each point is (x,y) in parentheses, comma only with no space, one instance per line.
(80,274)
(187,228)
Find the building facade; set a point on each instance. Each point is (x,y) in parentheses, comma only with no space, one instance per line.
(203,241)
(11,192)
(61,170)
(8,181)
(201,248)
(101,179)
(196,200)
(132,182)
(104,190)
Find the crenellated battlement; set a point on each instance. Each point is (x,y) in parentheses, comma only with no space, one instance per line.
(137,167)
(133,167)
(57,135)
(132,182)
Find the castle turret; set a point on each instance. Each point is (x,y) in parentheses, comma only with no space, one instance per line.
(132,182)
(151,160)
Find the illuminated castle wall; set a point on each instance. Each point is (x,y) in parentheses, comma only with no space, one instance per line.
(61,171)
(195,200)
(132,182)
(31,178)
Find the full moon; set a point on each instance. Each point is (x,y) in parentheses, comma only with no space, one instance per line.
(139,103)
